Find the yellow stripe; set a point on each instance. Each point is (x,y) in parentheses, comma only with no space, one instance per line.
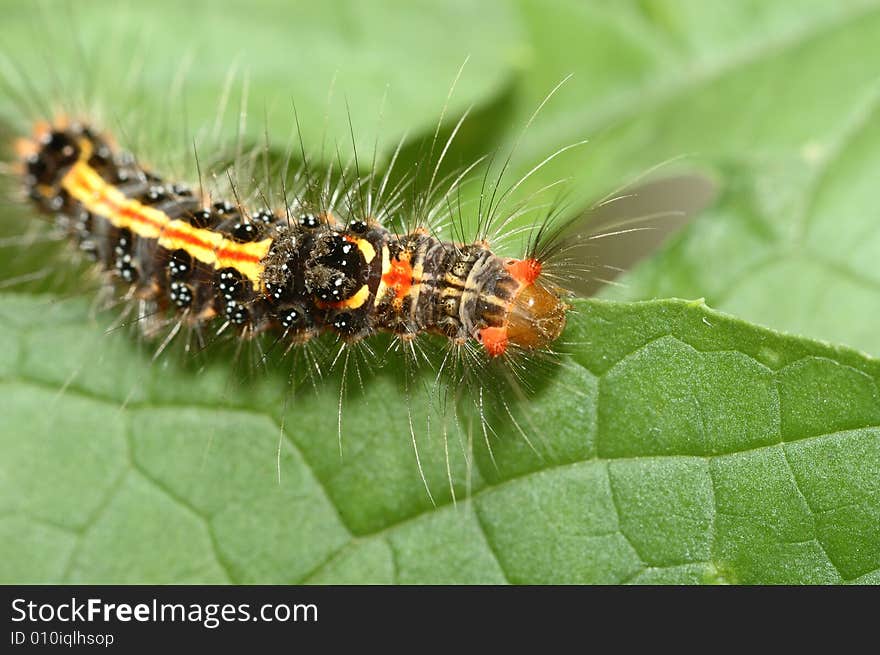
(367,249)
(386,266)
(252,270)
(358,299)
(204,254)
(84,184)
(415,291)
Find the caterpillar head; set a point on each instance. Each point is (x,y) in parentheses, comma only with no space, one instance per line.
(533,318)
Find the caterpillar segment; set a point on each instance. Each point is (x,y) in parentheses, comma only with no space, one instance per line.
(301,275)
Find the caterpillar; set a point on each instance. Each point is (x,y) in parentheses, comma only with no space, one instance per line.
(300,272)
(325,263)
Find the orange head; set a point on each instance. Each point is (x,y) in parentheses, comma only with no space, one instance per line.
(534,317)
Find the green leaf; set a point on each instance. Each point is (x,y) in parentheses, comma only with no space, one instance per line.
(679,445)
(672,444)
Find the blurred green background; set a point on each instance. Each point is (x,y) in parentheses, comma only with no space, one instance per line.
(778,100)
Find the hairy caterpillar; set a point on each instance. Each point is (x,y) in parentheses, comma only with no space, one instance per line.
(321,263)
(338,252)
(300,272)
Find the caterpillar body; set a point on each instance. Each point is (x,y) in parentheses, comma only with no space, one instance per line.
(299,272)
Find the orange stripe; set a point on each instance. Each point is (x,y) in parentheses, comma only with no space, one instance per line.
(173,234)
(103,199)
(236,255)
